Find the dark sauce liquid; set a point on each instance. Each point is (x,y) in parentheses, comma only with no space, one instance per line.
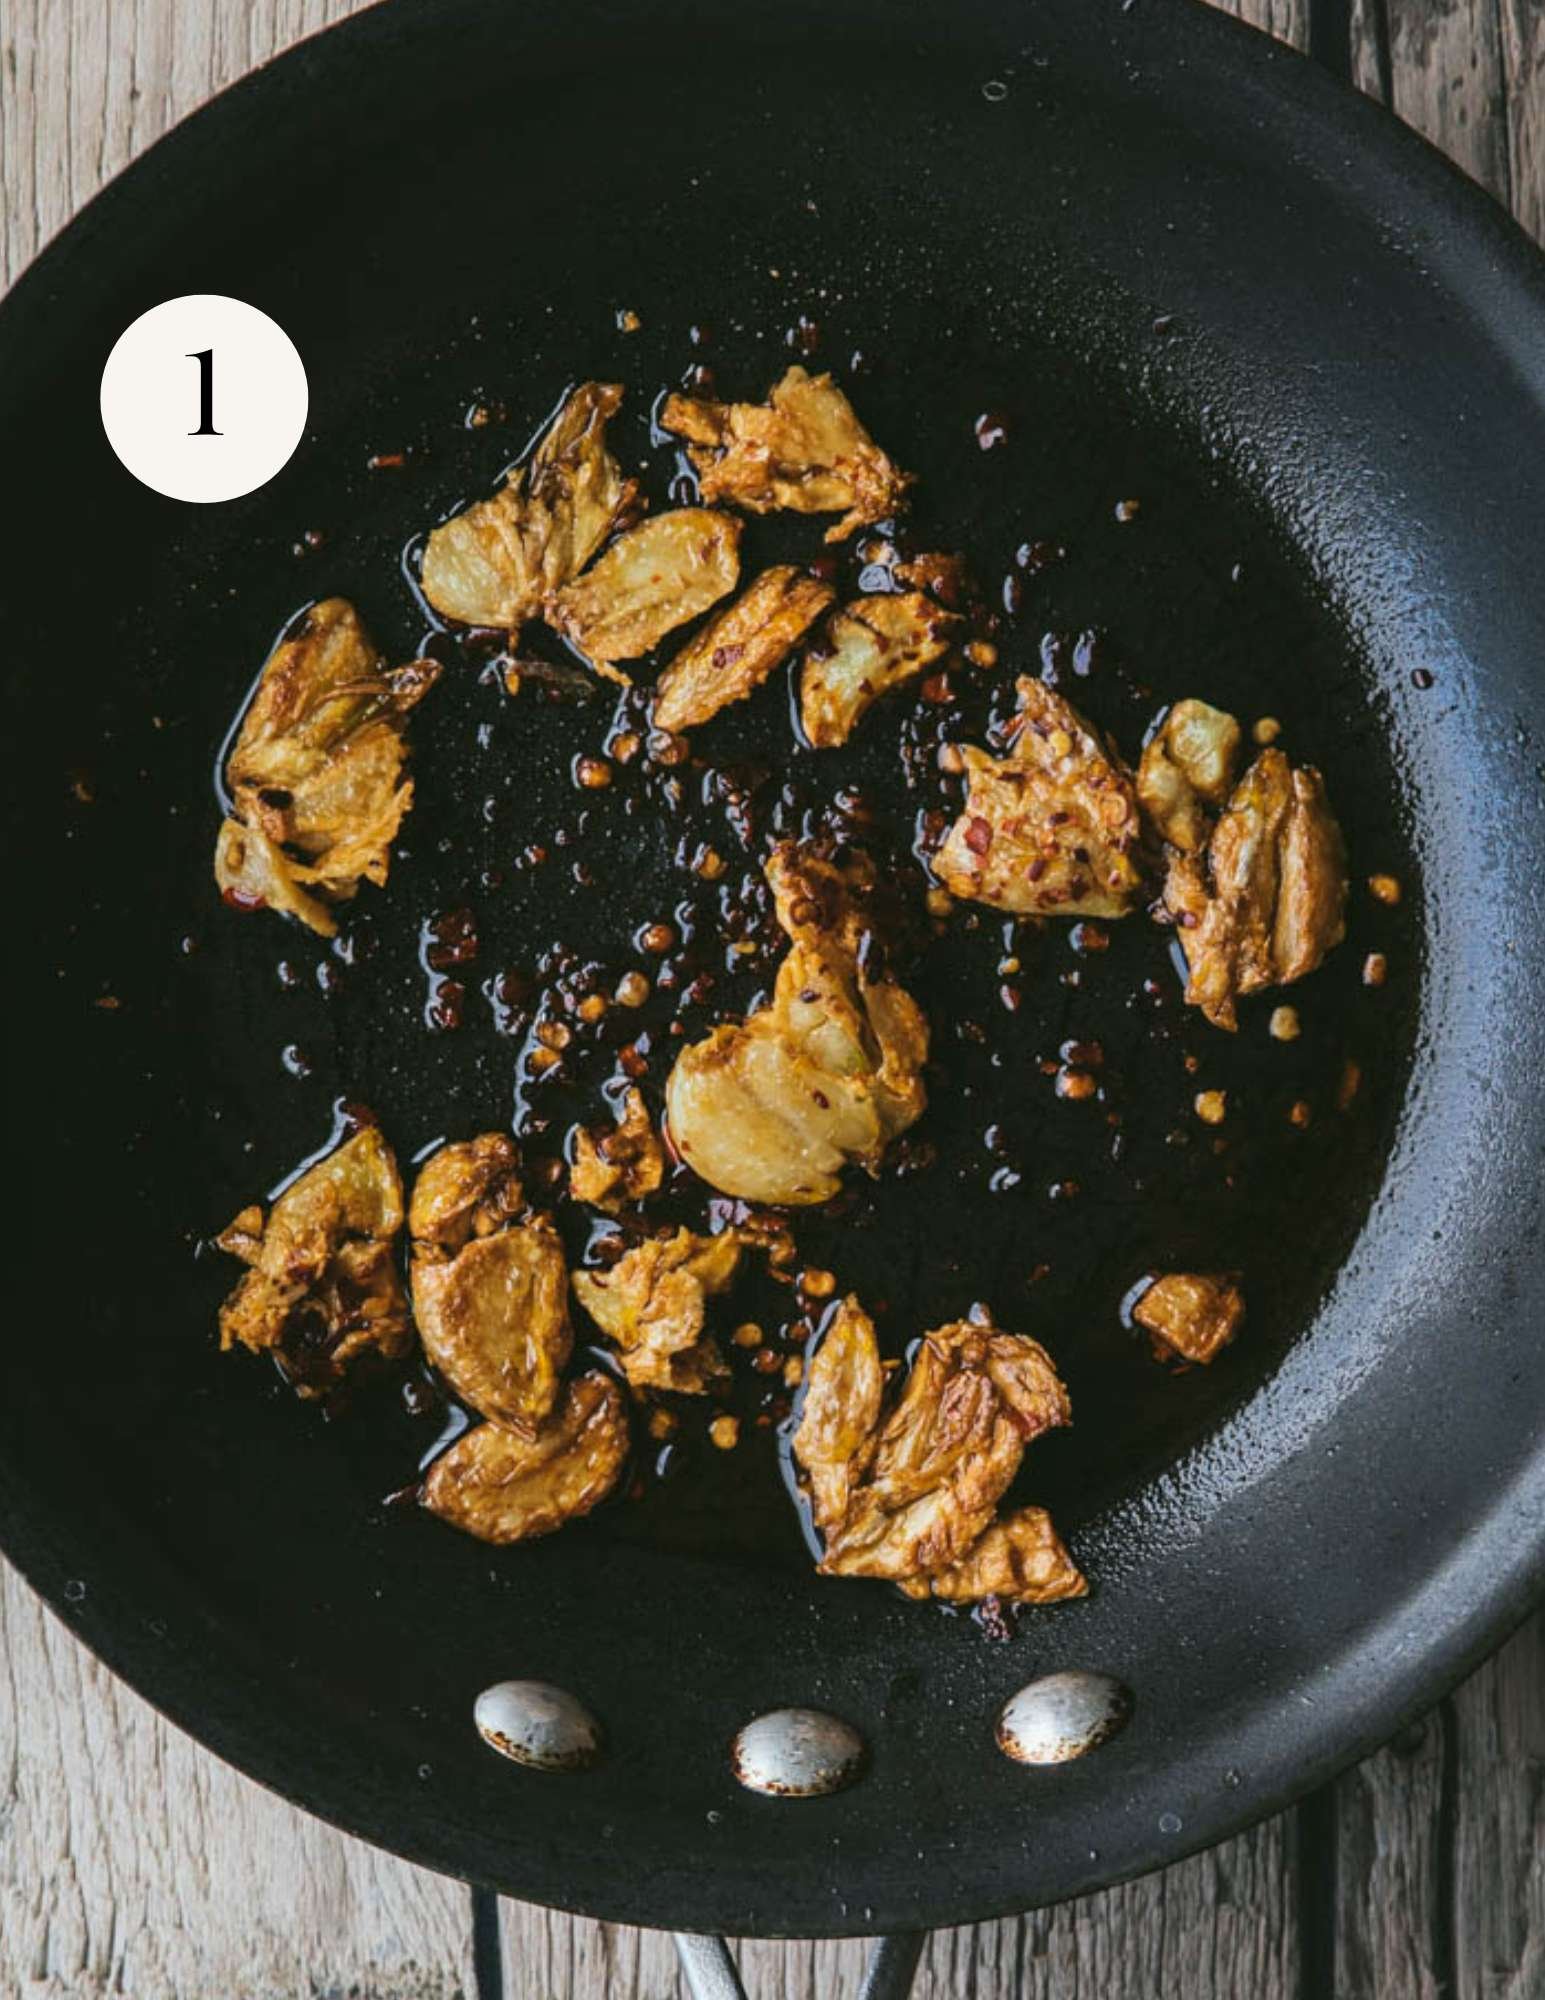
(1061,1157)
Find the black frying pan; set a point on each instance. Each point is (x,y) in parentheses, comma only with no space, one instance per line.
(1184,266)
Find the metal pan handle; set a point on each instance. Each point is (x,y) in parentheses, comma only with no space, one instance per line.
(711,1974)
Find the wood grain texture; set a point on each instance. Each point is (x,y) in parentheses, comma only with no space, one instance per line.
(1449,79)
(1523,76)
(1497,1817)
(133,1864)
(1218,1927)
(1288,20)
(1392,1858)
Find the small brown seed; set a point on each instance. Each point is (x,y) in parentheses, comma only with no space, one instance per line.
(725,1432)
(1384,888)
(1284,1024)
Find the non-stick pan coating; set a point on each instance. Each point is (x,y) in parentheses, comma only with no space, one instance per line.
(1185,268)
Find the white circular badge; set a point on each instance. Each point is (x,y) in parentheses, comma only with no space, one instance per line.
(204,398)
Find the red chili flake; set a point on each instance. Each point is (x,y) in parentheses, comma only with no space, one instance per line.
(991,429)
(445,1006)
(979,836)
(634,1063)
(1037,868)
(386,461)
(937,690)
(450,939)
(238,901)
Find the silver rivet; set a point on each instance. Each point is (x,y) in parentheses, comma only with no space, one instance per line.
(538,1725)
(1062,1716)
(797,1753)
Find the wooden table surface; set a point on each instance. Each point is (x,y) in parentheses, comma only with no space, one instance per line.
(133,1864)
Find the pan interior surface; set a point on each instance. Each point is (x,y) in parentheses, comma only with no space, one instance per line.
(1104,229)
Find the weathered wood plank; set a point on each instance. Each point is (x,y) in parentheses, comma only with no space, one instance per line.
(1489,111)
(1498,1824)
(1392,1867)
(1440,1846)
(133,1863)
(1370,48)
(1212,1928)
(84,87)
(1448,80)
(1523,71)
(1288,20)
